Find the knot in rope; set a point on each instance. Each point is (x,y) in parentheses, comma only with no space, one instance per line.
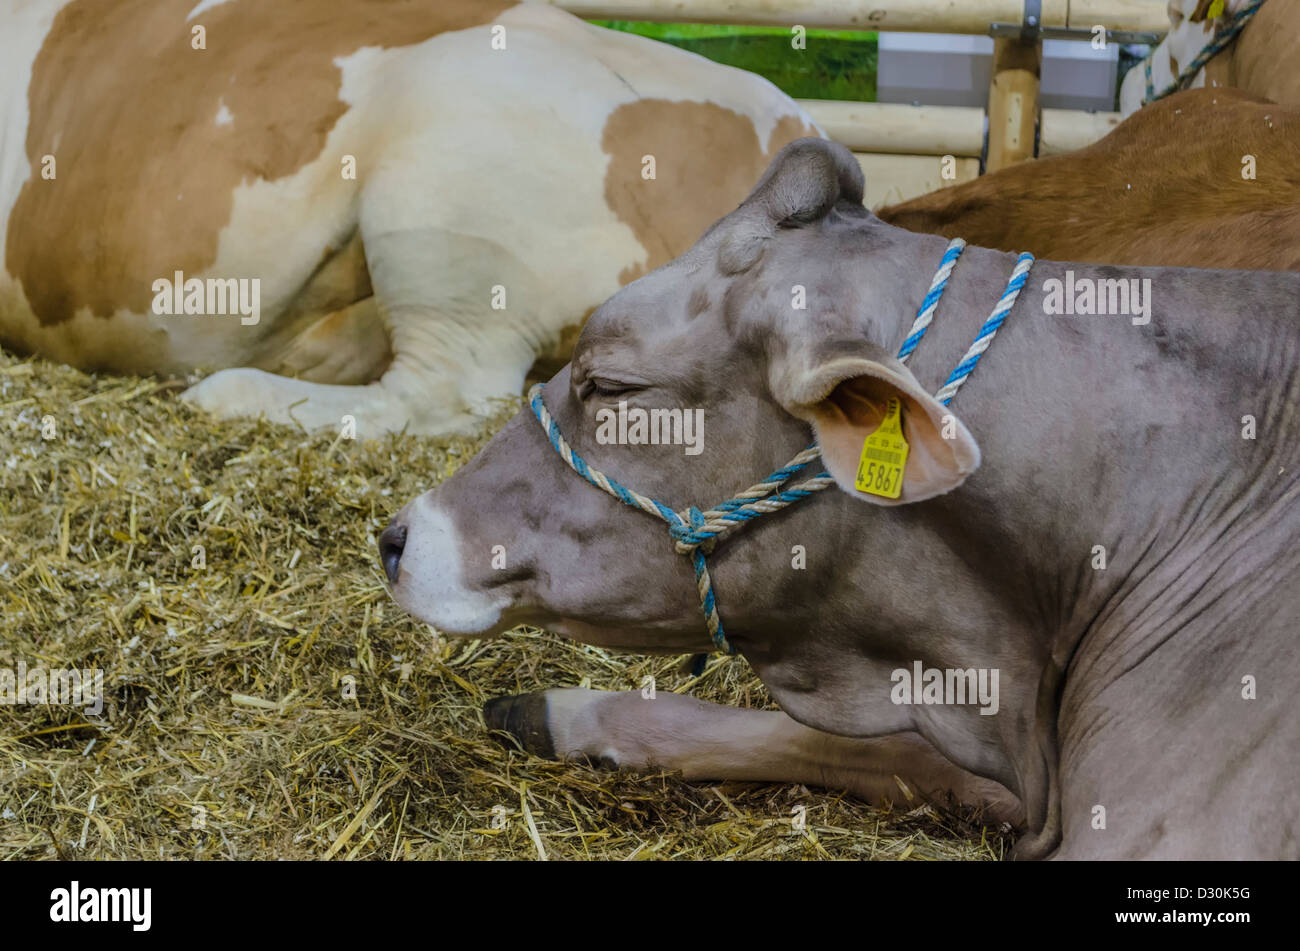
(689,534)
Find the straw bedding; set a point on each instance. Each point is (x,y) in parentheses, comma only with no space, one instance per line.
(270,701)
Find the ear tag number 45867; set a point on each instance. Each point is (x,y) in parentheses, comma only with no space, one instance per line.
(884,454)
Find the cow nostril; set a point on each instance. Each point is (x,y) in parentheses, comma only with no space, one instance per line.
(391,543)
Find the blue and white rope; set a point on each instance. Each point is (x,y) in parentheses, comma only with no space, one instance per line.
(988,331)
(677,523)
(695,532)
(931,302)
(1226,34)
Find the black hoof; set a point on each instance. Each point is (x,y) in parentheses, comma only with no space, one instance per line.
(522,718)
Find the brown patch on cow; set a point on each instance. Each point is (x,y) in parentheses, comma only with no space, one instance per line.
(128,108)
(786,130)
(707,158)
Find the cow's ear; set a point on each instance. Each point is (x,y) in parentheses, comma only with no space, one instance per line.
(804,182)
(847,399)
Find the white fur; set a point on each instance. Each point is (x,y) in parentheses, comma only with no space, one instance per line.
(435,593)
(1184,42)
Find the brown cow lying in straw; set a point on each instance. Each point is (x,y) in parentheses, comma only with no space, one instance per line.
(1203,178)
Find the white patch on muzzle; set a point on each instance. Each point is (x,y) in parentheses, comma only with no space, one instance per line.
(429,583)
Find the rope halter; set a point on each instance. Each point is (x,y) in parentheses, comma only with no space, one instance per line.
(695,532)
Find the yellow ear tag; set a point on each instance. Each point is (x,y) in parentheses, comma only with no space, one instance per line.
(884,454)
(1216,10)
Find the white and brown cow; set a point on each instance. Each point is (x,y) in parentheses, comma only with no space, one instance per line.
(431,195)
(1260,60)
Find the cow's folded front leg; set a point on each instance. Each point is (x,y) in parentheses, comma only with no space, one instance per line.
(705,741)
(422,400)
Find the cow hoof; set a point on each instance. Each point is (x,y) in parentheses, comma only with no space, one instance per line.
(522,718)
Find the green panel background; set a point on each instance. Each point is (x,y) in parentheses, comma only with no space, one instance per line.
(837,64)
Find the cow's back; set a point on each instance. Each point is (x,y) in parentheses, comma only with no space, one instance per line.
(151,137)
(301,135)
(1206,178)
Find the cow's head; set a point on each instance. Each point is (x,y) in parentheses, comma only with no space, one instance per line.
(1192,26)
(773,327)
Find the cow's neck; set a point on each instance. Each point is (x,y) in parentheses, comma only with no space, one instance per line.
(1004,573)
(1119,508)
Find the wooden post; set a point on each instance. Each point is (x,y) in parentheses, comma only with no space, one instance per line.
(1013,101)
